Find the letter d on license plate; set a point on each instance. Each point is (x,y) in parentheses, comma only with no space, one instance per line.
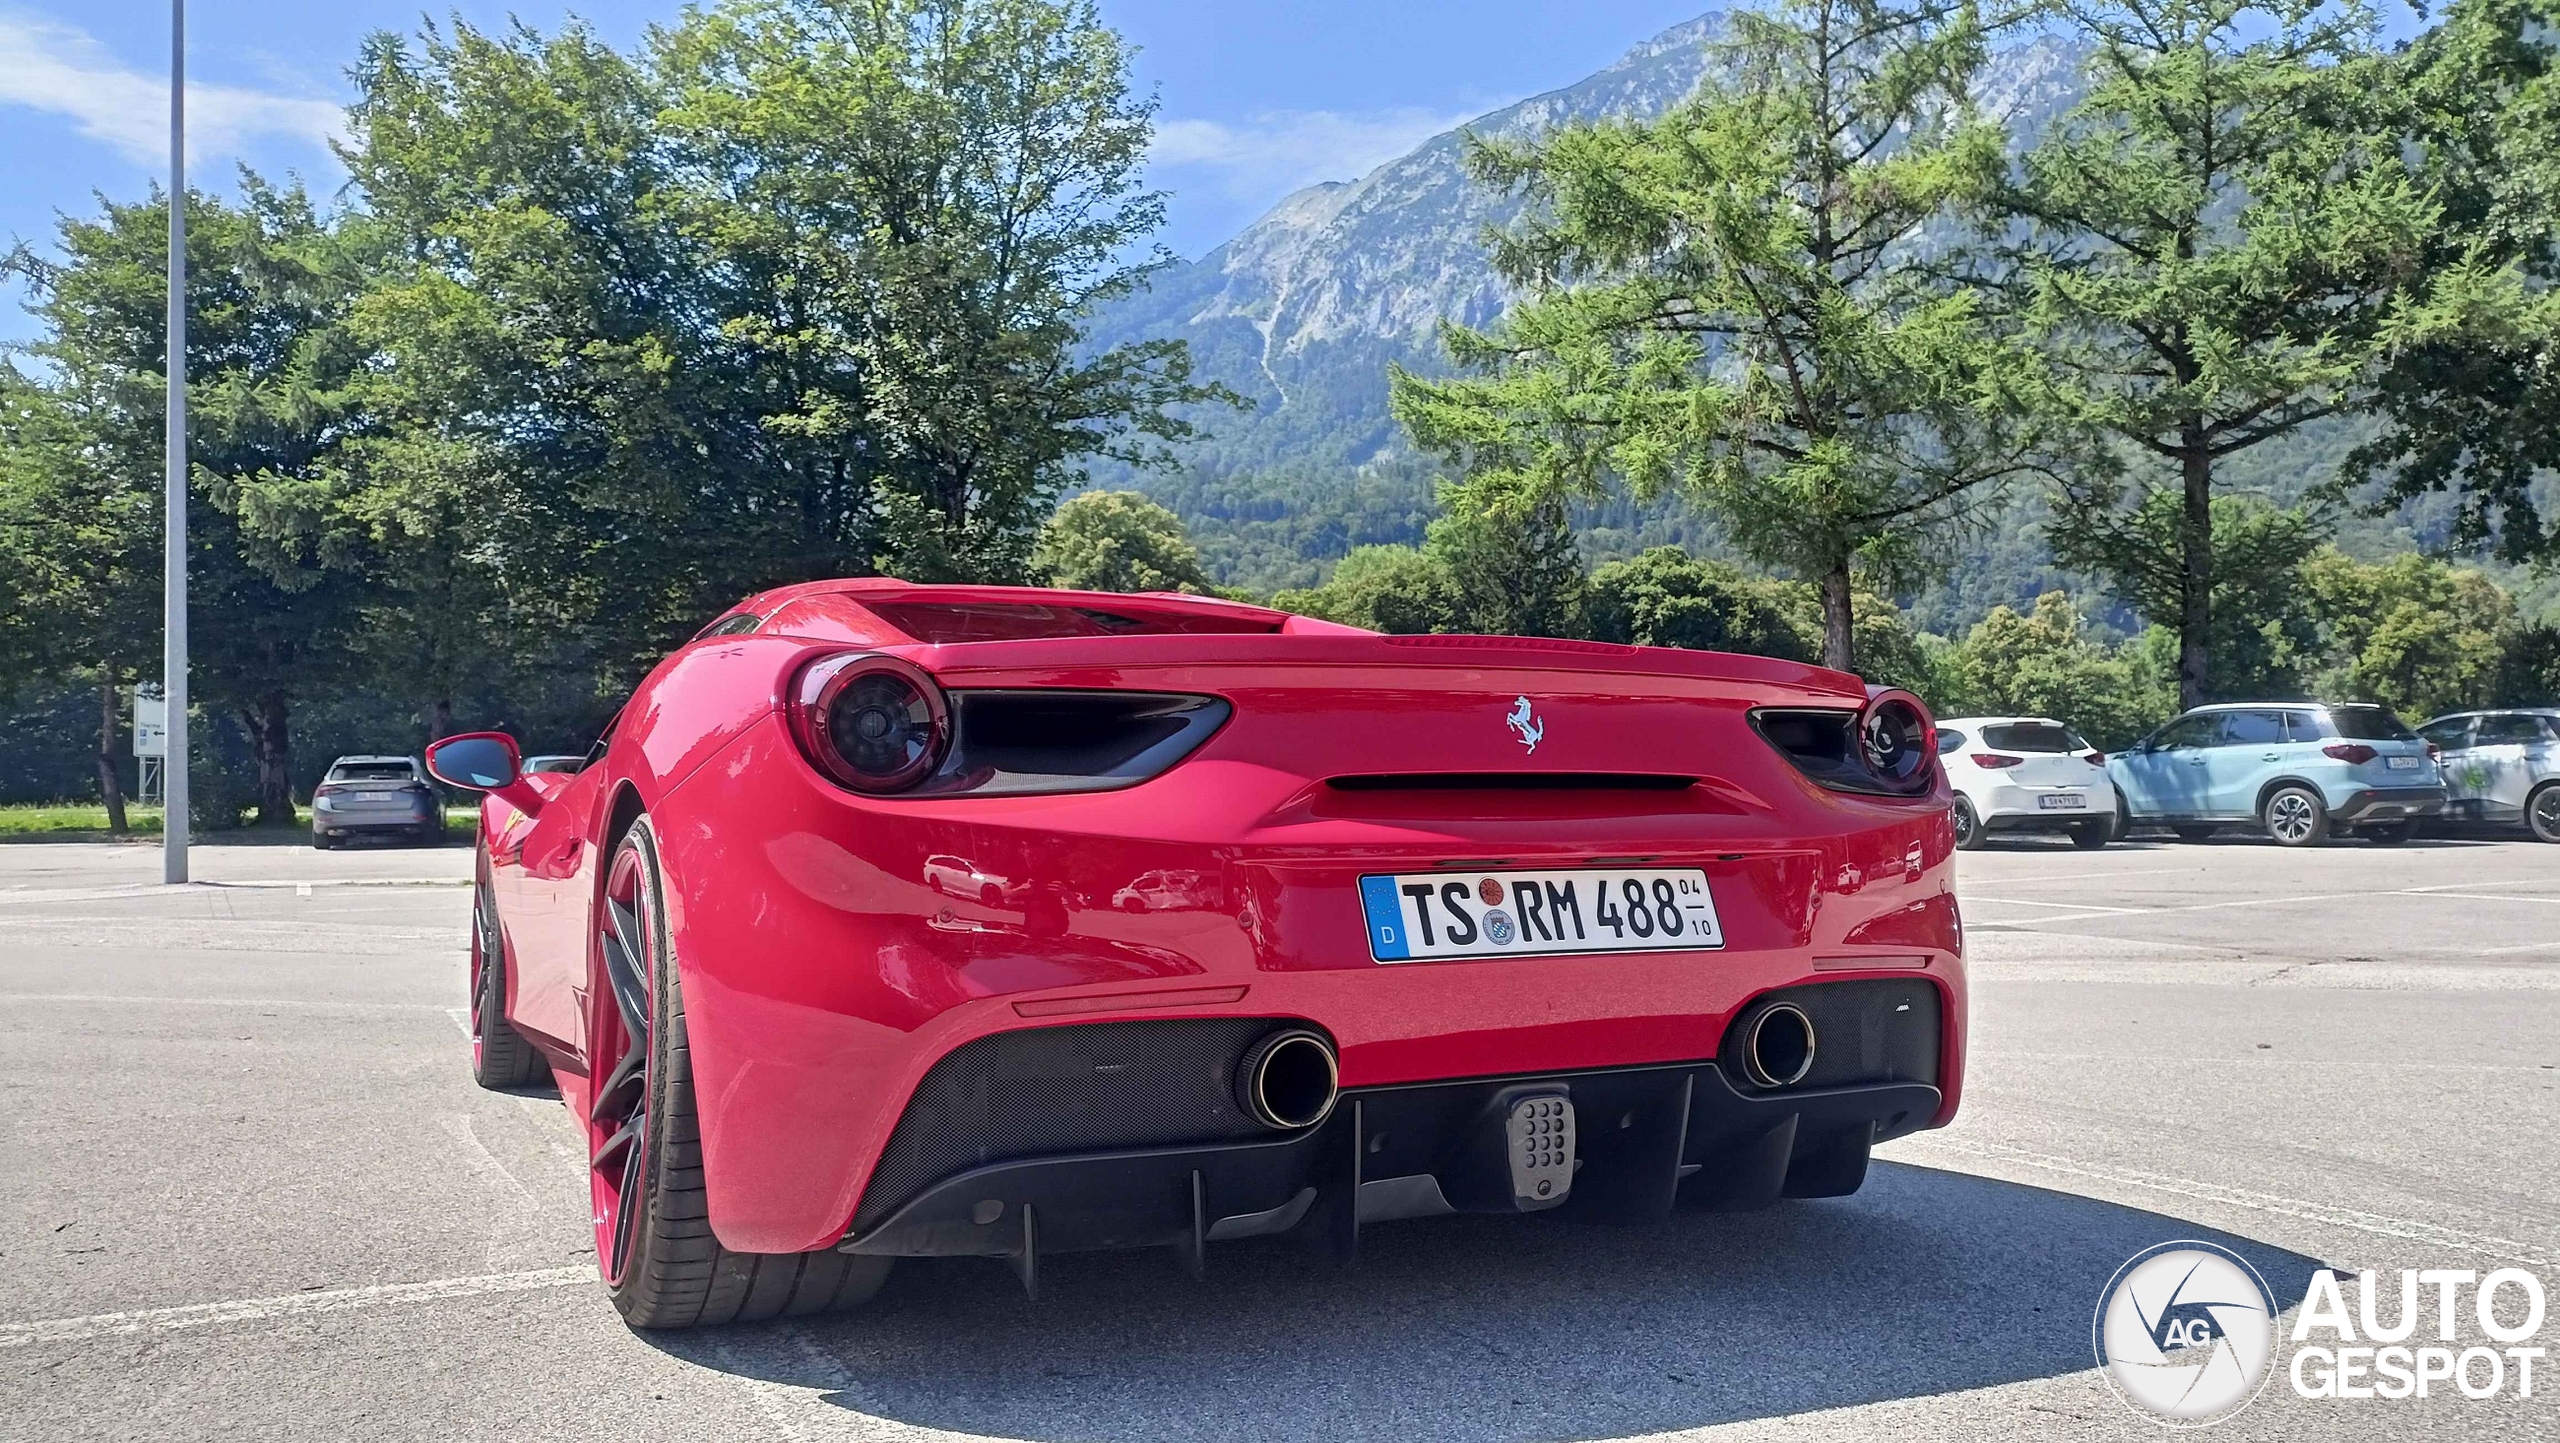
(1428,916)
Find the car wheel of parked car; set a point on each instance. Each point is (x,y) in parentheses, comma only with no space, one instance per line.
(2542,812)
(2092,835)
(2192,831)
(2295,817)
(500,1056)
(2387,834)
(322,841)
(1969,832)
(653,1231)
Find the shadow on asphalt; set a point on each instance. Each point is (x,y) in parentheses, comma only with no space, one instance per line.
(1926,1282)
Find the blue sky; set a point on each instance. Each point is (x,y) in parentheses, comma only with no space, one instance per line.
(1259,96)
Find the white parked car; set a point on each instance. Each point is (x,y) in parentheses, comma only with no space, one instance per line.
(2026,774)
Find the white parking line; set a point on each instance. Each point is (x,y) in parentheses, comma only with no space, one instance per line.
(114,1000)
(2527,947)
(2262,1060)
(252,1310)
(2089,907)
(2377,1224)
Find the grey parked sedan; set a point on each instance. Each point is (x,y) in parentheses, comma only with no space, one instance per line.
(2502,766)
(379,795)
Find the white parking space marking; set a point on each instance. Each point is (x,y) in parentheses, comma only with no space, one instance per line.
(2527,947)
(316,1004)
(2088,907)
(2377,1224)
(2267,1060)
(254,1310)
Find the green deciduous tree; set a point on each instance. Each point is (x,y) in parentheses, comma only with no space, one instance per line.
(269,366)
(1738,300)
(2414,633)
(1117,541)
(2222,243)
(2260,629)
(2046,663)
(2471,399)
(1666,597)
(795,291)
(79,568)
(1401,589)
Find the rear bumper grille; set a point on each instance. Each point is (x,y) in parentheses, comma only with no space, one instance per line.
(1128,1134)
(1068,1089)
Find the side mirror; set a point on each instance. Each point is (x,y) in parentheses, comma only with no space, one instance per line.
(484,762)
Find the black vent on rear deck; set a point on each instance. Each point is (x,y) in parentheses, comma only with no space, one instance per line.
(1510,782)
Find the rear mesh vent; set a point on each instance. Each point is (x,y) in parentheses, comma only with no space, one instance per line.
(1885,1030)
(1510,782)
(1088,1088)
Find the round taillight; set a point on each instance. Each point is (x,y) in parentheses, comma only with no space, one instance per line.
(872,723)
(1893,742)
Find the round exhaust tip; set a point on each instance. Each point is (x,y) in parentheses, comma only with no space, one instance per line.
(1289,1080)
(1778,1050)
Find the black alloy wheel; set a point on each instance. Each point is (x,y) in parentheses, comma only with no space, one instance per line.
(2542,812)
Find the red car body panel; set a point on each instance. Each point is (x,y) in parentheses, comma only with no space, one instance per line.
(824,973)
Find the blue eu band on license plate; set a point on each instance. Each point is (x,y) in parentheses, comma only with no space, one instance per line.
(1429,916)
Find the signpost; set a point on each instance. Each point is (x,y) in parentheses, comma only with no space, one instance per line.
(150,740)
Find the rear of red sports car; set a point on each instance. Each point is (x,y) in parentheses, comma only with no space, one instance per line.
(1010,923)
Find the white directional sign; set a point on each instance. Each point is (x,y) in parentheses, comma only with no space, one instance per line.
(150,721)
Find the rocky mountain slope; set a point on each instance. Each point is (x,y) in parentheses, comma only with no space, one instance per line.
(1302,312)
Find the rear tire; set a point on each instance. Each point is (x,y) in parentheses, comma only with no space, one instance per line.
(1969,830)
(501,1058)
(2295,817)
(662,1263)
(2387,834)
(2542,812)
(322,841)
(2089,836)
(2192,832)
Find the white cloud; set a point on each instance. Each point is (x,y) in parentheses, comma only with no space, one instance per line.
(62,71)
(1275,152)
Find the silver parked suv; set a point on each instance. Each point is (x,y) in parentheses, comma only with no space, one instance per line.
(2502,766)
(380,795)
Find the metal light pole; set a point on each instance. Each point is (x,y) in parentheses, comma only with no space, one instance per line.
(173,654)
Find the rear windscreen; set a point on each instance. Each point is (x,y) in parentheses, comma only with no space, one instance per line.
(943,622)
(372,772)
(2032,737)
(2370,724)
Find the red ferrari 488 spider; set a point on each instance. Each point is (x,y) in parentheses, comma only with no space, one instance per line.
(894,920)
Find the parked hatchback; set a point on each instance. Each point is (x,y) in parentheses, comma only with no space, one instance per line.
(2301,771)
(2025,774)
(381,796)
(2502,766)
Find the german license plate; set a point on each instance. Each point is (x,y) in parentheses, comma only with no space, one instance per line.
(2063,802)
(2400,764)
(1428,916)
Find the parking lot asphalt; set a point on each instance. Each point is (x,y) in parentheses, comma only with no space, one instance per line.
(251,1192)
